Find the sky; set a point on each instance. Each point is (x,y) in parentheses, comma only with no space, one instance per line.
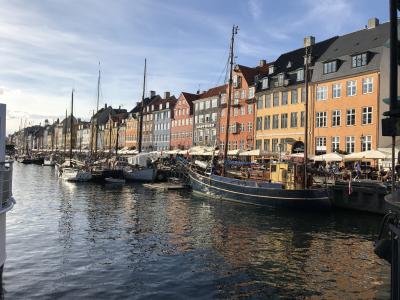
(49,47)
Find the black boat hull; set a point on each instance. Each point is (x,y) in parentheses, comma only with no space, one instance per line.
(312,199)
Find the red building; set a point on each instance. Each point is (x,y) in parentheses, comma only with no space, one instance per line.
(182,123)
(242,114)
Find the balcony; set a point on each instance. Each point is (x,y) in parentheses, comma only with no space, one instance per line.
(7,201)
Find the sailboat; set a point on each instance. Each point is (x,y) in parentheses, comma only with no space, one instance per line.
(281,190)
(73,170)
(140,169)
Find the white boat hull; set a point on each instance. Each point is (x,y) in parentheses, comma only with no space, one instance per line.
(148,174)
(75,175)
(49,163)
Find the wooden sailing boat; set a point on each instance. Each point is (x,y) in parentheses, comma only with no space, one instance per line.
(73,170)
(143,172)
(274,193)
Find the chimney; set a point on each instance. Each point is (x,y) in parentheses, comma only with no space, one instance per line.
(309,41)
(263,62)
(166,95)
(105,106)
(152,94)
(372,23)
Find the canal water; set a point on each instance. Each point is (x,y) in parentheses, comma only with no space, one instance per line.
(88,241)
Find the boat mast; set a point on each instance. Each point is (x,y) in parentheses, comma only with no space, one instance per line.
(116,140)
(71,127)
(234,31)
(65,132)
(97,110)
(142,109)
(306,79)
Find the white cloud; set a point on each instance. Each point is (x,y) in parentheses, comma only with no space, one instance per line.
(255,8)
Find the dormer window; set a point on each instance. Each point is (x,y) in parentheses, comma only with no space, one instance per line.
(271,69)
(359,60)
(265,82)
(300,75)
(330,67)
(289,64)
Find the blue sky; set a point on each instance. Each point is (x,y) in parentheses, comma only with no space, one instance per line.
(49,47)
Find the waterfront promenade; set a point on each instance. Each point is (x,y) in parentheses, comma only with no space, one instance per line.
(75,241)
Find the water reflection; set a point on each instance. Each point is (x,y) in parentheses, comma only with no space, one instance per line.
(92,241)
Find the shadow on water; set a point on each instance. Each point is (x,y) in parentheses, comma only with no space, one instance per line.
(98,241)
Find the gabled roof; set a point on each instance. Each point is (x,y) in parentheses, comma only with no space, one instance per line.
(215,91)
(357,42)
(294,60)
(190,97)
(250,73)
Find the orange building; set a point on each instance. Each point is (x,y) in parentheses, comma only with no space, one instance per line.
(280,109)
(131,131)
(241,131)
(346,92)
(182,122)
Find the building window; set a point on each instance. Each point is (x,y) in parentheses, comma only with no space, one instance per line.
(258,144)
(293,119)
(236,95)
(303,95)
(275,121)
(351,88)
(207,104)
(335,143)
(366,115)
(268,100)
(366,143)
(367,85)
(235,112)
(336,118)
(259,123)
(242,110)
(267,122)
(359,60)
(321,119)
(241,144)
(350,140)
(213,117)
(250,109)
(281,78)
(302,119)
(284,120)
(251,92)
(222,128)
(223,98)
(214,102)
(260,102)
(293,96)
(249,127)
(243,94)
(201,105)
(320,143)
(330,67)
(284,98)
(276,99)
(274,145)
(266,145)
(265,84)
(241,127)
(336,90)
(322,93)
(351,117)
(300,75)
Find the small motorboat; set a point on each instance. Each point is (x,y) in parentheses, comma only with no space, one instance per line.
(114,180)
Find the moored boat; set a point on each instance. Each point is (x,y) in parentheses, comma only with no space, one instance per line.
(75,174)
(261,193)
(140,174)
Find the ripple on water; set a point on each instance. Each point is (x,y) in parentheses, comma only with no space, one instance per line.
(87,241)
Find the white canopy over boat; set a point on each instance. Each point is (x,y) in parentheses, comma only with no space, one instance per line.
(255,152)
